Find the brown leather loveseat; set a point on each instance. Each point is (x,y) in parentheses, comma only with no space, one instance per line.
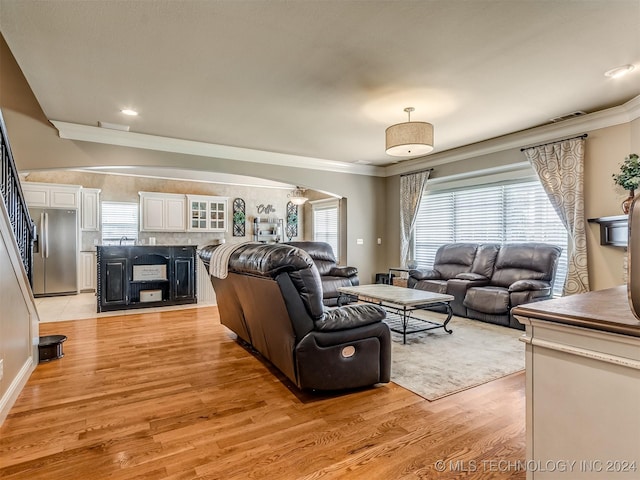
(331,275)
(488,280)
(271,298)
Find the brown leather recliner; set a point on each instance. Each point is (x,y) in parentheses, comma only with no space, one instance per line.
(523,273)
(457,267)
(331,275)
(488,280)
(272,299)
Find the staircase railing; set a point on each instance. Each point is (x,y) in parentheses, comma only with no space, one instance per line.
(14,201)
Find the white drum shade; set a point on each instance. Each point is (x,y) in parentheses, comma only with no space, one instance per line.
(409,139)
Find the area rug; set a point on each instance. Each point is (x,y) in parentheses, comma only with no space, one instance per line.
(435,364)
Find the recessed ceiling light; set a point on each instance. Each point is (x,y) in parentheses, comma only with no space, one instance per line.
(128,111)
(619,71)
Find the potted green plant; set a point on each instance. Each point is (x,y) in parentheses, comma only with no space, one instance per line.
(628,178)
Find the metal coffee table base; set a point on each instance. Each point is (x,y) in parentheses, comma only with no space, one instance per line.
(400,302)
(401,320)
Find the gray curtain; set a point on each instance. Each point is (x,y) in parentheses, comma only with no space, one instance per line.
(411,188)
(560,167)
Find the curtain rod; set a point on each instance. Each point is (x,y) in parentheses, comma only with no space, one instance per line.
(419,171)
(584,135)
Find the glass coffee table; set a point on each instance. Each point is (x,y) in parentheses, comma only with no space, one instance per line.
(400,303)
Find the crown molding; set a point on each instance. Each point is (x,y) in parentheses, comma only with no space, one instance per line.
(87,133)
(624,113)
(197,176)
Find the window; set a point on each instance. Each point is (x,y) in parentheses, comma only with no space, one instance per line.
(508,213)
(325,224)
(119,220)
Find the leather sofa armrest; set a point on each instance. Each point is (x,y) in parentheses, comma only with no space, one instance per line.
(351,316)
(524,285)
(322,365)
(459,283)
(529,296)
(342,271)
(424,274)
(458,287)
(472,276)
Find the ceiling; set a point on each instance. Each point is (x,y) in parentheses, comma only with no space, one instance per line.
(323,79)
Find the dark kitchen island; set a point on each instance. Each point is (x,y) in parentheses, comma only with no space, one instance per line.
(145,276)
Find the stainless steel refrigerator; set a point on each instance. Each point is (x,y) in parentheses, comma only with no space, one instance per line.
(55,252)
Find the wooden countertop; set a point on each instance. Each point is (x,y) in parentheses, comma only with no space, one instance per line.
(606,310)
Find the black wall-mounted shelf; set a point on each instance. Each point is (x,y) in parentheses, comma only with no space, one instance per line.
(614,231)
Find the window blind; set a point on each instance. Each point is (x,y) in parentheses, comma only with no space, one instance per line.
(119,220)
(325,225)
(508,213)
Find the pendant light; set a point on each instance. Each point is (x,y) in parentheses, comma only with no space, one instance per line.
(409,139)
(297,196)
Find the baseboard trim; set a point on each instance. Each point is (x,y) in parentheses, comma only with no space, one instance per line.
(18,383)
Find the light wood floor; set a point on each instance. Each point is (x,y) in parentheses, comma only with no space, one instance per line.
(173,396)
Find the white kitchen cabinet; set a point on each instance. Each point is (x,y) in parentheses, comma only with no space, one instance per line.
(162,212)
(90,209)
(207,213)
(50,195)
(175,214)
(151,213)
(88,271)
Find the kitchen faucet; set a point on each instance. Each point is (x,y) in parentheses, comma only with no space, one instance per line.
(123,238)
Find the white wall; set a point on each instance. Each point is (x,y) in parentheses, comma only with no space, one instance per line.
(18,320)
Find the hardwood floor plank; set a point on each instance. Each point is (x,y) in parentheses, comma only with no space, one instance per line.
(173,396)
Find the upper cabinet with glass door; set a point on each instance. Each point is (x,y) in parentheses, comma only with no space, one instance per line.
(207,214)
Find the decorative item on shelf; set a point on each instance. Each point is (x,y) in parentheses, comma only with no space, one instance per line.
(292,220)
(239,218)
(297,196)
(626,204)
(267,229)
(628,178)
(409,139)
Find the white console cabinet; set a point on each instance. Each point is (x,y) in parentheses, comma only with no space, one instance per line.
(582,387)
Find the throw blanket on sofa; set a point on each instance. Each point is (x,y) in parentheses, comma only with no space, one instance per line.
(219,264)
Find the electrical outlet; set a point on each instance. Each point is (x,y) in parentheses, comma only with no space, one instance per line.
(1,369)
(379,241)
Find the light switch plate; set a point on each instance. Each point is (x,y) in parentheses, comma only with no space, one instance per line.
(359,241)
